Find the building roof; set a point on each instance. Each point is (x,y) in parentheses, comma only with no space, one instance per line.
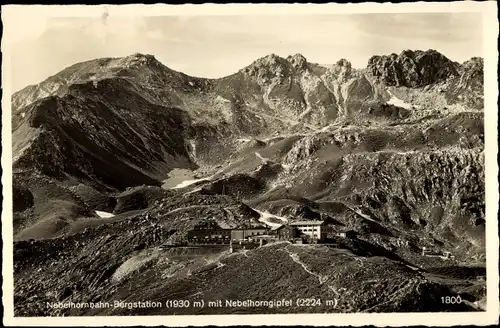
(310,222)
(338,228)
(260,227)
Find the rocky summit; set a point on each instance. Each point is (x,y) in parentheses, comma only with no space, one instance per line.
(117,160)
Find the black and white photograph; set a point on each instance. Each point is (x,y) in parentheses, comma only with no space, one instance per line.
(174,162)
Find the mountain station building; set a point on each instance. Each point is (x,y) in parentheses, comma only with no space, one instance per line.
(315,229)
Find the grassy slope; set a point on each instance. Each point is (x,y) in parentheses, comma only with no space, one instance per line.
(274,272)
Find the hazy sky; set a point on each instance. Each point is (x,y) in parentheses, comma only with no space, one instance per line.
(215,46)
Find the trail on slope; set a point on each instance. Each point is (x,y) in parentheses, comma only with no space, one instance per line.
(365,216)
(296,258)
(321,279)
(285,120)
(187,208)
(391,298)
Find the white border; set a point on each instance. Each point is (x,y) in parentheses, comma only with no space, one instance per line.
(490,28)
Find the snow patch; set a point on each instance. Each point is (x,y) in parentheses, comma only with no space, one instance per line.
(398,102)
(219,98)
(265,216)
(263,159)
(186,183)
(23,115)
(191,83)
(132,265)
(412,267)
(243,139)
(103,214)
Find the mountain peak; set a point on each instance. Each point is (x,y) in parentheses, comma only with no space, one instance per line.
(272,58)
(474,61)
(412,68)
(342,69)
(298,61)
(269,63)
(344,63)
(140,59)
(141,55)
(407,53)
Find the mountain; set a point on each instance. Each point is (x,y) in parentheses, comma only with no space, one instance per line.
(394,151)
(413,68)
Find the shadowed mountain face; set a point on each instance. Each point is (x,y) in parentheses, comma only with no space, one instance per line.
(413,68)
(393,151)
(272,95)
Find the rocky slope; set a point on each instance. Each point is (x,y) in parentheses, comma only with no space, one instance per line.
(393,151)
(341,279)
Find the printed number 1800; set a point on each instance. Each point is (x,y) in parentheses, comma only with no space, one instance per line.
(451,299)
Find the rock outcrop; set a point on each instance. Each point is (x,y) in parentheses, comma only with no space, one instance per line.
(393,152)
(413,68)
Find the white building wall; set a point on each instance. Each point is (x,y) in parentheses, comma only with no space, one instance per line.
(313,231)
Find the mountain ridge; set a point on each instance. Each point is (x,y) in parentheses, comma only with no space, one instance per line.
(148,58)
(393,151)
(271,95)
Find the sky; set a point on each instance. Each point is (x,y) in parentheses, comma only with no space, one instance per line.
(216,46)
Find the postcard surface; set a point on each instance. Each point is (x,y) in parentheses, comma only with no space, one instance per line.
(295,164)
